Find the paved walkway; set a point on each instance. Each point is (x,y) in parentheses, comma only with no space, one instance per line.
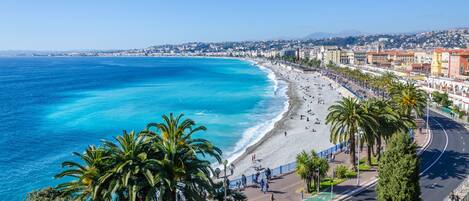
(291,187)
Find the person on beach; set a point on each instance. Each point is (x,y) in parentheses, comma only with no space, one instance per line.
(268,174)
(266,187)
(285,133)
(262,185)
(243,181)
(257,176)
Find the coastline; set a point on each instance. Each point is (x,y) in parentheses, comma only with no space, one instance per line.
(292,101)
(276,147)
(272,121)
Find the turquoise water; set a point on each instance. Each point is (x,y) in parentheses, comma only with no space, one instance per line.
(51,107)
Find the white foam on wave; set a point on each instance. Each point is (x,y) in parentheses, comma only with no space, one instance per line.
(255,133)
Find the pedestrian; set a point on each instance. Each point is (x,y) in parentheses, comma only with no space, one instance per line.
(268,174)
(266,187)
(285,133)
(243,180)
(272,197)
(262,185)
(257,176)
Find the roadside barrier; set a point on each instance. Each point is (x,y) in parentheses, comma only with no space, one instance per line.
(288,168)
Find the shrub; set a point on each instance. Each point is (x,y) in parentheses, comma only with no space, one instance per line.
(46,194)
(341,171)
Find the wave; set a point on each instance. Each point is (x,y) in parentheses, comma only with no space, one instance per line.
(255,133)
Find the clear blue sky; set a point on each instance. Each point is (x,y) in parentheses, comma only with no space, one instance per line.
(114,24)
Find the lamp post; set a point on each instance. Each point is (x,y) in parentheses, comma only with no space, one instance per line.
(428,111)
(428,105)
(332,184)
(358,161)
(225,176)
(319,182)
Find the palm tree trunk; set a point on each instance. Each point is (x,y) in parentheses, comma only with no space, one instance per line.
(378,148)
(352,151)
(308,185)
(368,152)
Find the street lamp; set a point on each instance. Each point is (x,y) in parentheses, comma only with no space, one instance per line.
(428,111)
(358,161)
(332,184)
(319,184)
(225,176)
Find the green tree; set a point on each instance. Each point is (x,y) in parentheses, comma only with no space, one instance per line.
(181,168)
(164,164)
(407,98)
(369,135)
(398,175)
(389,122)
(347,117)
(307,166)
(95,162)
(441,99)
(133,175)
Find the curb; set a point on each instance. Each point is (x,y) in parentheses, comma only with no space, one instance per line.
(371,183)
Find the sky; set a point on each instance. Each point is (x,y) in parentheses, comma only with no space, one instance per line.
(125,24)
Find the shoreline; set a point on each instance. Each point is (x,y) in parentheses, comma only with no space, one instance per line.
(275,147)
(235,155)
(292,101)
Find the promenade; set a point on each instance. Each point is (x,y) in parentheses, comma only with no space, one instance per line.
(291,187)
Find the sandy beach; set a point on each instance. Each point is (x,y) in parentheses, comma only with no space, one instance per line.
(302,127)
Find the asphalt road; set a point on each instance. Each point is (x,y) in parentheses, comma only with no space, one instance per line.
(444,163)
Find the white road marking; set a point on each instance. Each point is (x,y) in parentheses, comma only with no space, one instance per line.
(444,149)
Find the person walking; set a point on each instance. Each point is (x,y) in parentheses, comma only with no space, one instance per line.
(262,185)
(268,174)
(272,197)
(257,176)
(243,181)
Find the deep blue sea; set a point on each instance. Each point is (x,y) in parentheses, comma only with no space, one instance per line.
(51,107)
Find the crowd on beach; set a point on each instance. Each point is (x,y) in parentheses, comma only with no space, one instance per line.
(302,127)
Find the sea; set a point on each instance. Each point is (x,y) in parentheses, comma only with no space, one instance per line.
(51,107)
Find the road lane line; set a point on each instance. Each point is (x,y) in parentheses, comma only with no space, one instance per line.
(444,149)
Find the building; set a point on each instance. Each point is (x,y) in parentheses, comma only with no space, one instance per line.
(419,68)
(347,57)
(359,57)
(322,53)
(458,65)
(442,62)
(421,57)
(378,58)
(332,56)
(436,67)
(401,57)
(391,58)
(288,53)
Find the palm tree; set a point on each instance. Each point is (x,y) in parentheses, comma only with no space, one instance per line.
(409,98)
(386,81)
(95,161)
(370,133)
(181,168)
(347,117)
(133,175)
(307,166)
